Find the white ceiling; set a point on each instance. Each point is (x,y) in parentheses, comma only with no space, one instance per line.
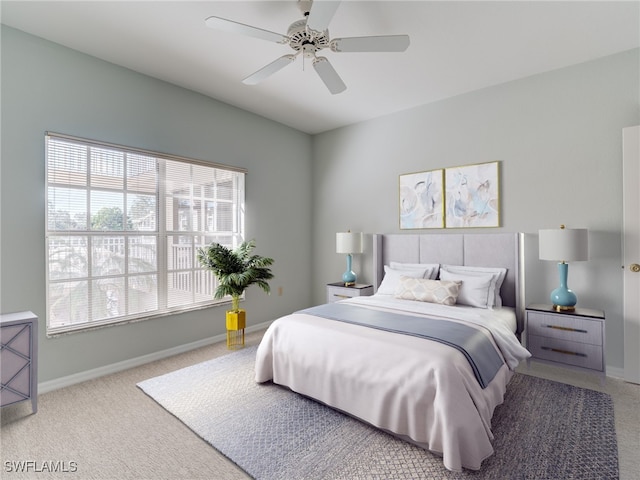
(456,47)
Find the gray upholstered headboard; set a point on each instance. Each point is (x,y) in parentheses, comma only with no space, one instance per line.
(471,249)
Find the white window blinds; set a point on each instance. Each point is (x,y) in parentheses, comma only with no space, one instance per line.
(123,229)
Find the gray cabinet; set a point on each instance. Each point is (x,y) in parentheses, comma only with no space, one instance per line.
(18,359)
(338,291)
(575,339)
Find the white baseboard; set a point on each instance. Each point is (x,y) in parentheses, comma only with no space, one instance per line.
(94,373)
(69,380)
(615,372)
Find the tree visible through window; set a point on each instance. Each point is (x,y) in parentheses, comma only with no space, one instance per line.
(123,229)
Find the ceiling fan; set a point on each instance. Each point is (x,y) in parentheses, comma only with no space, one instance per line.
(307,37)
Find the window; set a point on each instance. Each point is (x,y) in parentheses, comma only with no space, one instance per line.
(123,229)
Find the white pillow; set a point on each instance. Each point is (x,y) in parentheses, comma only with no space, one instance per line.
(475,290)
(425,290)
(430,269)
(391,279)
(498,274)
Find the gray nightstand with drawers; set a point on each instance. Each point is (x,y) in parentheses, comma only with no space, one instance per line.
(575,339)
(338,291)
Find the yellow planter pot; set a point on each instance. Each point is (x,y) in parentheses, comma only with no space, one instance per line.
(236,323)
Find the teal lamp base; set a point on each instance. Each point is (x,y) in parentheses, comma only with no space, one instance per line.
(563,299)
(349,277)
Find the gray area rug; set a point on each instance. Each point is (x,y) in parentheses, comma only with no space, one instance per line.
(544,429)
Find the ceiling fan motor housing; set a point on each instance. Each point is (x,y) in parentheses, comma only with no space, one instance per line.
(300,37)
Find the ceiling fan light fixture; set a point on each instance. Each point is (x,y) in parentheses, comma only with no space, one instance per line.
(300,35)
(309,50)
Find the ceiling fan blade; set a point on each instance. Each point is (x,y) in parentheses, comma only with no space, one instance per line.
(321,13)
(328,75)
(269,70)
(225,25)
(385,43)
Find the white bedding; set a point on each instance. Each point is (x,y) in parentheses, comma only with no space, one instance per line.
(418,389)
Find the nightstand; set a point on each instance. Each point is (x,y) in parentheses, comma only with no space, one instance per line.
(337,291)
(18,358)
(575,339)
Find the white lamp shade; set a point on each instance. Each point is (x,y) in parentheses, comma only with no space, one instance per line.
(348,242)
(564,244)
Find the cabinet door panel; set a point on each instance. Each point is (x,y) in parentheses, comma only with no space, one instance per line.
(565,327)
(17,338)
(19,388)
(11,365)
(18,358)
(8,397)
(335,293)
(562,351)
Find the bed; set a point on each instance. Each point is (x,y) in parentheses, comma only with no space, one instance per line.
(436,383)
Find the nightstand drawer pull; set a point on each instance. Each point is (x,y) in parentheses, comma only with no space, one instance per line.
(341,296)
(566,352)
(566,329)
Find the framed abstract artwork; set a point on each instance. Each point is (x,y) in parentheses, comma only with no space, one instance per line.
(422,200)
(472,196)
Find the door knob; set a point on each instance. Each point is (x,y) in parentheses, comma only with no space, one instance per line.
(634,267)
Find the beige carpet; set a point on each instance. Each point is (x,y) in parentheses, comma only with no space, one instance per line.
(111,429)
(544,429)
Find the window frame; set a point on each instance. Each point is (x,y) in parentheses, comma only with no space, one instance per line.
(201,283)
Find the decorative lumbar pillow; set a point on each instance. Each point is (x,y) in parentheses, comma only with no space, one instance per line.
(392,278)
(426,290)
(475,290)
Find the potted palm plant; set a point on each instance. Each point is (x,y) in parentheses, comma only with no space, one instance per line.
(236,270)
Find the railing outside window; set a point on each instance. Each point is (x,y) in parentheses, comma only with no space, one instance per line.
(123,229)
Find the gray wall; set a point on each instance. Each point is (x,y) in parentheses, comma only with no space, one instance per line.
(48,87)
(558,136)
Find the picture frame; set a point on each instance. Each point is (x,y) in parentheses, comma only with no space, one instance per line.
(472,196)
(421,200)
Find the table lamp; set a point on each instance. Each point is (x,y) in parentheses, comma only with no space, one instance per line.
(564,245)
(349,243)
